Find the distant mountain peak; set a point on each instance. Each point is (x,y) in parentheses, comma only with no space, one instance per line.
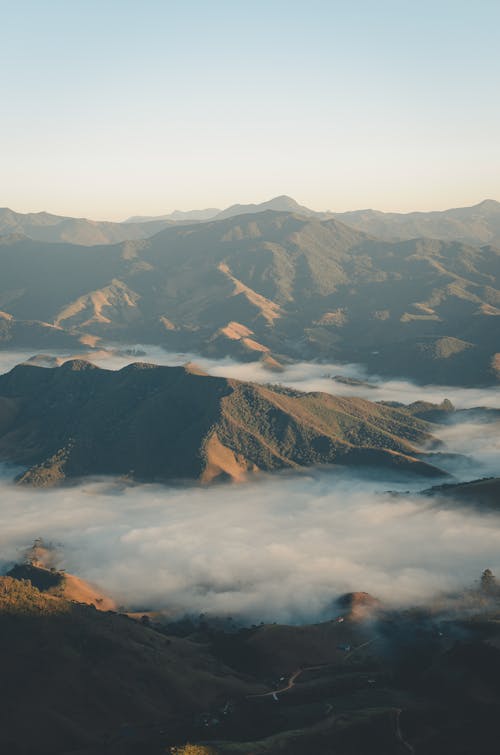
(282,203)
(284,199)
(489,204)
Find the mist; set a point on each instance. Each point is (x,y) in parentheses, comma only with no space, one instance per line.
(305,376)
(275,549)
(476,438)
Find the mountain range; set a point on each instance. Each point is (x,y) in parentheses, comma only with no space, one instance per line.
(172,423)
(479,224)
(44,226)
(272,285)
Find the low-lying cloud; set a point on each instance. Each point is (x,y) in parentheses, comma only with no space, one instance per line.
(278,548)
(306,376)
(281,548)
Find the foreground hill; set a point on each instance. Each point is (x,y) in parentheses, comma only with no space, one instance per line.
(383,682)
(267,285)
(160,423)
(62,585)
(84,678)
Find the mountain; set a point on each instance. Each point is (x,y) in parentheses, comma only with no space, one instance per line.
(62,585)
(177,215)
(367,681)
(479,224)
(484,492)
(42,226)
(271,284)
(278,204)
(92,681)
(27,333)
(164,423)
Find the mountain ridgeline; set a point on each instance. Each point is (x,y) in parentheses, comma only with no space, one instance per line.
(272,284)
(171,423)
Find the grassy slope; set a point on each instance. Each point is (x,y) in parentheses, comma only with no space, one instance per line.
(78,675)
(158,423)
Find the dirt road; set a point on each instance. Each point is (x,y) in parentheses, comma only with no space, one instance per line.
(295,675)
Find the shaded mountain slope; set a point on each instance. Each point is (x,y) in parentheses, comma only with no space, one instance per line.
(273,283)
(479,224)
(87,679)
(43,226)
(160,423)
(413,680)
(484,492)
(34,333)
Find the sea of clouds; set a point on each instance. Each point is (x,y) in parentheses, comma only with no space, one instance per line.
(278,548)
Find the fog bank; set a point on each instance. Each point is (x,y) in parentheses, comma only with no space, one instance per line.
(305,376)
(277,549)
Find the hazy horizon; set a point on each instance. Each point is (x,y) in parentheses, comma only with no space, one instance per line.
(256,201)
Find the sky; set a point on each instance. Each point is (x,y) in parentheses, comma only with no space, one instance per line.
(113,108)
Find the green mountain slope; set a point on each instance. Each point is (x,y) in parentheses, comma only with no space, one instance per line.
(273,282)
(161,423)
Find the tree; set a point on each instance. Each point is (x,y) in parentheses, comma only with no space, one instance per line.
(488,581)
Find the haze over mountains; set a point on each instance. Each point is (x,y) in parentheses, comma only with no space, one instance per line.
(479,224)
(43,226)
(268,284)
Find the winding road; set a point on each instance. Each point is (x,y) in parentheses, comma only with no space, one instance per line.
(295,675)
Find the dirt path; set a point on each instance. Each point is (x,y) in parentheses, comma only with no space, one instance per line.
(399,734)
(355,650)
(291,682)
(295,675)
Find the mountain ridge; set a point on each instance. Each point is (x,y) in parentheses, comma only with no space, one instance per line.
(299,287)
(171,423)
(476,224)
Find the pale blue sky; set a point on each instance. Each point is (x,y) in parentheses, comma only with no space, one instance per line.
(122,107)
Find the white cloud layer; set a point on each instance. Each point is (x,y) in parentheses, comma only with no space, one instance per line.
(279,548)
(306,376)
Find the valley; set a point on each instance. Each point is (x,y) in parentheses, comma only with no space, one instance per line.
(250,378)
(258,455)
(274,285)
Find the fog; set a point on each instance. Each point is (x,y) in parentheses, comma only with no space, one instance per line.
(306,376)
(277,548)
(472,436)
